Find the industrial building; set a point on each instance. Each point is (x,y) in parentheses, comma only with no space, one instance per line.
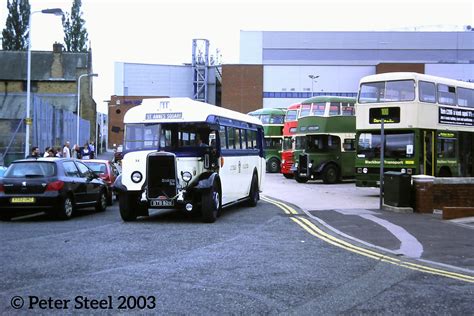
(277,69)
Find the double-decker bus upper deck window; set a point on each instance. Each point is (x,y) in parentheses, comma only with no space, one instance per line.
(291,116)
(387,91)
(347,109)
(265,118)
(427,91)
(305,110)
(277,119)
(318,109)
(446,94)
(466,97)
(334,109)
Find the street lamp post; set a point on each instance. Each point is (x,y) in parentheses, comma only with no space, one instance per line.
(55,11)
(79,102)
(312,77)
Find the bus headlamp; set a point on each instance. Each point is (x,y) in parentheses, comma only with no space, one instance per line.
(403,170)
(186,176)
(365,170)
(310,165)
(137,176)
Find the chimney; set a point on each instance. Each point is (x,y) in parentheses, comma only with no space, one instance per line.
(57,66)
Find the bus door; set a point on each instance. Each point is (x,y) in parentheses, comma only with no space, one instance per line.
(466,146)
(427,154)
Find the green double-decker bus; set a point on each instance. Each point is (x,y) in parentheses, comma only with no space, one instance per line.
(272,120)
(325,140)
(428,126)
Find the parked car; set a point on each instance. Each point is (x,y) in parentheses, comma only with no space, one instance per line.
(107,171)
(2,170)
(58,186)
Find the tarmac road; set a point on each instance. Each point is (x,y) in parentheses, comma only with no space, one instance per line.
(271,259)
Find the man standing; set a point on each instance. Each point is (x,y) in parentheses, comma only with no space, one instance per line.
(66,151)
(35,153)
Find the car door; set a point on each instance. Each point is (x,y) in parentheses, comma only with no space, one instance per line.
(77,185)
(93,185)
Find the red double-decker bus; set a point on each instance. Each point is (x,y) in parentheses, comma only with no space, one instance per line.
(289,129)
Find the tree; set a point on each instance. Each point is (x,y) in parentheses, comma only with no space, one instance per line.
(15,33)
(75,33)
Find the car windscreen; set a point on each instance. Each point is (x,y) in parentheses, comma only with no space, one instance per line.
(97,167)
(31,169)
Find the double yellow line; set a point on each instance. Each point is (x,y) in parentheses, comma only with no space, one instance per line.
(308,226)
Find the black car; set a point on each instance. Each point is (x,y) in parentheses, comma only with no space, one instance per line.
(58,186)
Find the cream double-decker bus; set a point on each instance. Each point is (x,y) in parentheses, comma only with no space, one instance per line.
(188,155)
(428,123)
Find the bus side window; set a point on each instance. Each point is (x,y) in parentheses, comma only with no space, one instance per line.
(230,137)
(237,138)
(223,137)
(243,135)
(427,91)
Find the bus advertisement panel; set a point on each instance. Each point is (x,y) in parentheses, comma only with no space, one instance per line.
(189,155)
(325,140)
(272,120)
(428,126)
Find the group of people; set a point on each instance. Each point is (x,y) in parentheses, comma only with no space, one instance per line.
(85,152)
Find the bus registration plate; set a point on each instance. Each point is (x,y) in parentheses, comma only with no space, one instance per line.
(23,200)
(161,203)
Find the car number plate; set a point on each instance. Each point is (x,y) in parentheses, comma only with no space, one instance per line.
(162,203)
(23,200)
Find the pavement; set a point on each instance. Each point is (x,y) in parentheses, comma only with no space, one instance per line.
(352,214)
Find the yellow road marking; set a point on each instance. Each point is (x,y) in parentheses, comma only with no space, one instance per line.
(312,229)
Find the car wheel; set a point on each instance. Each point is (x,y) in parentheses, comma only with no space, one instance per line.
(102,202)
(67,208)
(211,204)
(127,207)
(254,194)
(110,198)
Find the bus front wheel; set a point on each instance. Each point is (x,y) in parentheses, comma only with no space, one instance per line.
(127,205)
(211,204)
(330,174)
(273,165)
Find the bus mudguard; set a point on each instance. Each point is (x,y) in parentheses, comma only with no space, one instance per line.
(206,180)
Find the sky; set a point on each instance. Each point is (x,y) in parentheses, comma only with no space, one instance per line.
(161,31)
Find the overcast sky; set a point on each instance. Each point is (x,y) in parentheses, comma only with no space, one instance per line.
(161,31)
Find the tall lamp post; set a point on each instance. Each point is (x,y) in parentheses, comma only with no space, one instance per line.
(312,77)
(55,11)
(79,102)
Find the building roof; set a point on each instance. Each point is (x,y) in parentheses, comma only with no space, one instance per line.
(13,65)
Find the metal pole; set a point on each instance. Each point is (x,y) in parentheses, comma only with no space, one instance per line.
(382,158)
(28,90)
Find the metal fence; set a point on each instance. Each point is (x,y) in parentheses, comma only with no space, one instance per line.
(52,126)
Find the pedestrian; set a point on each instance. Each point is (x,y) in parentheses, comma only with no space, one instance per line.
(51,152)
(35,153)
(85,152)
(66,151)
(46,151)
(92,150)
(58,152)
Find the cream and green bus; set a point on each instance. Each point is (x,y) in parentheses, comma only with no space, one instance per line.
(428,124)
(188,155)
